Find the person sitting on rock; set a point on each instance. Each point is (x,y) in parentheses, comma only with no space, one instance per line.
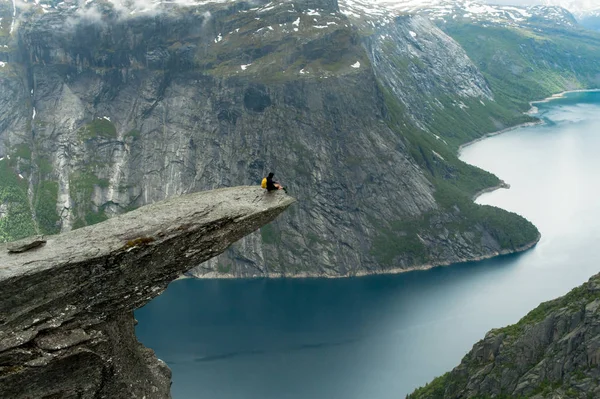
(270,184)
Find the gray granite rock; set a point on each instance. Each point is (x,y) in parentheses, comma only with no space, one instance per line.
(553,352)
(25,244)
(66,323)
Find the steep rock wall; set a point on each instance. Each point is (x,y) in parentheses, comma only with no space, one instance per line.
(104,116)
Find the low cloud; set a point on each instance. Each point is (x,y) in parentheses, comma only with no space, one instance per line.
(90,13)
(568,4)
(207,16)
(133,8)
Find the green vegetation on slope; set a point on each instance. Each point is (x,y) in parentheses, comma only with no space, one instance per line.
(524,65)
(16,199)
(134,134)
(457,119)
(519,66)
(459,125)
(16,221)
(273,54)
(576,299)
(81,185)
(45,198)
(98,128)
(23,151)
(433,390)
(85,180)
(455,183)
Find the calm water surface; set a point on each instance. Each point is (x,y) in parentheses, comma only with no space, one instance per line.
(380,337)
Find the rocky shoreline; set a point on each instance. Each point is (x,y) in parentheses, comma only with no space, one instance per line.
(534,110)
(502,184)
(562,94)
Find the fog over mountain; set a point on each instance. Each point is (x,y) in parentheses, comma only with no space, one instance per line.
(587,12)
(578,7)
(584,4)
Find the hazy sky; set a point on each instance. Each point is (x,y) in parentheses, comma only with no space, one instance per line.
(515,2)
(582,3)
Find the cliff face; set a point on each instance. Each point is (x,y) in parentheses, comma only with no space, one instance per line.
(360,113)
(553,352)
(66,321)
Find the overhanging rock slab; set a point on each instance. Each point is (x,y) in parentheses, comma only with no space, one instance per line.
(65,307)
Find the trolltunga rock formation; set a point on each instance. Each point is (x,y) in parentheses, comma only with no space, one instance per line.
(66,321)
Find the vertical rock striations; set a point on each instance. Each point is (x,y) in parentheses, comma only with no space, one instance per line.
(359,110)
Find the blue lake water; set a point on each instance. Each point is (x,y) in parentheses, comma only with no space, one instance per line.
(380,337)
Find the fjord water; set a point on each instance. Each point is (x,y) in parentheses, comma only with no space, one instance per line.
(380,337)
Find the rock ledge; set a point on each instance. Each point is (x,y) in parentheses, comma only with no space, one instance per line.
(66,322)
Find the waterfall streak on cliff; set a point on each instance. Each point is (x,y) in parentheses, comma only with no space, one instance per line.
(12,23)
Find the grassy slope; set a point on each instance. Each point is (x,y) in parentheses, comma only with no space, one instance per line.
(456,182)
(523,65)
(16,222)
(520,65)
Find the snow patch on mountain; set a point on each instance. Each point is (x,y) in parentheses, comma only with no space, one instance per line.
(478,11)
(365,13)
(579,8)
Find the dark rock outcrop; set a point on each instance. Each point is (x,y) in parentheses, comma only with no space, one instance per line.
(25,244)
(553,352)
(66,322)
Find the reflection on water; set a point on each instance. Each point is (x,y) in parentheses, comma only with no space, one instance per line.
(380,337)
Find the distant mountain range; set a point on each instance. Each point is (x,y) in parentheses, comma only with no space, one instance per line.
(586,12)
(479,12)
(565,12)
